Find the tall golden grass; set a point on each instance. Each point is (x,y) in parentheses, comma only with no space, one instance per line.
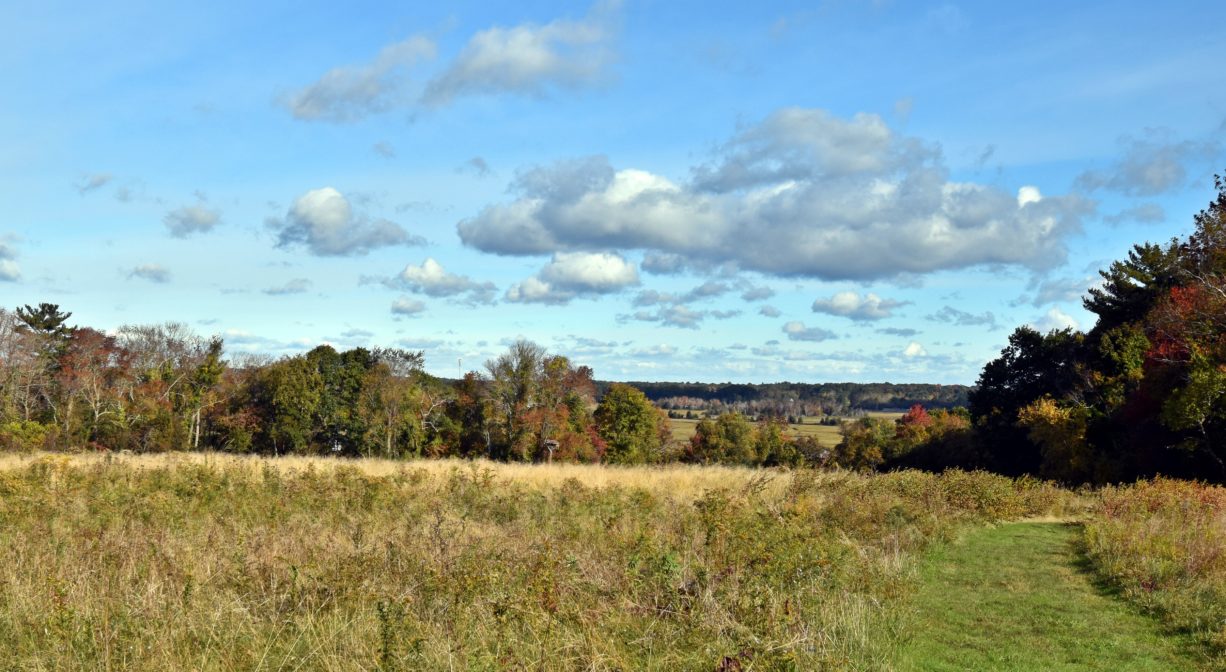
(221,563)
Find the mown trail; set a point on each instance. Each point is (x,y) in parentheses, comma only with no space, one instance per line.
(1017,597)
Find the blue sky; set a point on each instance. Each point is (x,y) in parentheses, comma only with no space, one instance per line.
(837,191)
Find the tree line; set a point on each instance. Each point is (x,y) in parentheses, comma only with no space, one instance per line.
(801,399)
(162,387)
(1141,393)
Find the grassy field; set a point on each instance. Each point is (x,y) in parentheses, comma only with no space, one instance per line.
(1025,584)
(209,562)
(829,436)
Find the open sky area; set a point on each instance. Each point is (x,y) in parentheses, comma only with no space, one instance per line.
(662,190)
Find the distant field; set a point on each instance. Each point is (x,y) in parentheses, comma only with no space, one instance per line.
(828,436)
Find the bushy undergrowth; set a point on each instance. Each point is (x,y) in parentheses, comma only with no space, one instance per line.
(1163,544)
(107,565)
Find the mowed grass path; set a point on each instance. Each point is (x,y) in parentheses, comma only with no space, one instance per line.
(1016,597)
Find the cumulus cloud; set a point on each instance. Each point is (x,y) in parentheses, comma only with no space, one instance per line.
(407,306)
(797,331)
(295,286)
(770,311)
(353,92)
(1056,319)
(706,290)
(676,315)
(652,297)
(961,318)
(151,272)
(384,148)
(9,270)
(529,59)
(324,221)
(802,194)
(190,219)
(757,293)
(858,308)
(431,279)
(92,182)
(574,274)
(1152,164)
(897,331)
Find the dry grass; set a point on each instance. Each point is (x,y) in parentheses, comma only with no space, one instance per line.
(1162,543)
(218,562)
(680,481)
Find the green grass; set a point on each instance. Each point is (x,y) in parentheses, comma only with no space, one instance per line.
(1020,597)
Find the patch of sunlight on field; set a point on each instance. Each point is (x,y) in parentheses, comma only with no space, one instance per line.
(829,436)
(681,481)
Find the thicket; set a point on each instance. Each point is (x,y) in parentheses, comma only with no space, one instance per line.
(242,564)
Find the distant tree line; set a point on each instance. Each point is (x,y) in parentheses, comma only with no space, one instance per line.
(801,399)
(1142,393)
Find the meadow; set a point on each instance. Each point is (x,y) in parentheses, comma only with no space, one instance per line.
(198,561)
(219,562)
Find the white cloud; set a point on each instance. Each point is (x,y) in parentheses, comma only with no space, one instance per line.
(9,270)
(1145,213)
(914,349)
(803,194)
(529,59)
(295,286)
(1152,164)
(797,331)
(190,219)
(324,221)
(676,315)
(855,307)
(661,350)
(353,92)
(770,311)
(431,279)
(757,293)
(651,297)
(1027,195)
(1058,290)
(1056,319)
(573,274)
(407,306)
(961,318)
(151,272)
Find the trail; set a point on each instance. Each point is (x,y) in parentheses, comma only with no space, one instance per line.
(1019,597)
